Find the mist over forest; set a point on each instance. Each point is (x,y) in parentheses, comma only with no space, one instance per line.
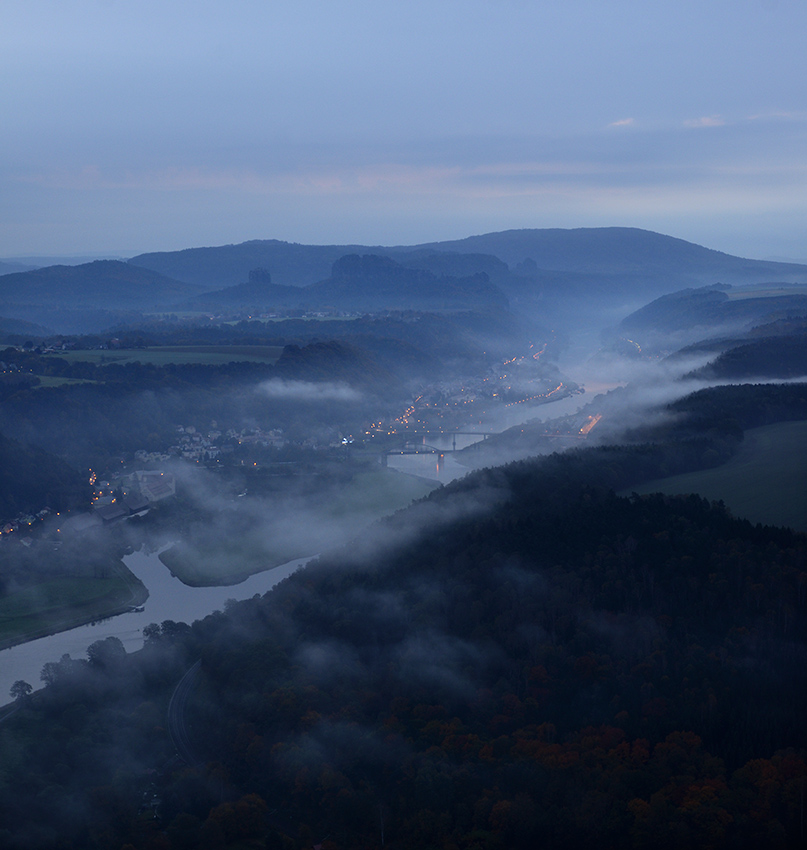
(549,488)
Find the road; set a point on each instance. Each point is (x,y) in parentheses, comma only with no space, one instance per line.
(177,727)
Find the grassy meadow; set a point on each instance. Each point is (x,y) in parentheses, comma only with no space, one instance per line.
(763,291)
(64,603)
(765,482)
(379,492)
(206,355)
(51,381)
(230,559)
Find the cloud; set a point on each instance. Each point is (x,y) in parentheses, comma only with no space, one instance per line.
(442,663)
(705,121)
(624,122)
(304,391)
(779,114)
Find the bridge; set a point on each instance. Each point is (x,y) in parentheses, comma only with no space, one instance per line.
(411,436)
(411,447)
(420,448)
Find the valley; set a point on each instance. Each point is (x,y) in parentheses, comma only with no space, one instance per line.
(423,560)
(403,426)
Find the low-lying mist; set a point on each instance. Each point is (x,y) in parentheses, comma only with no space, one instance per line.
(306,391)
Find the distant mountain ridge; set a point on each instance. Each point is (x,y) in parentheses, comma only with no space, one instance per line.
(612,250)
(607,251)
(368,282)
(290,264)
(575,278)
(11,267)
(373,281)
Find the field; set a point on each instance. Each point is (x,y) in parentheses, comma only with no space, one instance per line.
(379,492)
(765,292)
(49,381)
(272,319)
(61,604)
(206,355)
(368,497)
(228,563)
(765,482)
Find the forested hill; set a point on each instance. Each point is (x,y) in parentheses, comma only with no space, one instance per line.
(522,659)
(102,283)
(31,479)
(546,660)
(710,310)
(772,357)
(13,329)
(114,408)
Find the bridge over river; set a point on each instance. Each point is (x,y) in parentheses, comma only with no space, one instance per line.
(436,444)
(435,441)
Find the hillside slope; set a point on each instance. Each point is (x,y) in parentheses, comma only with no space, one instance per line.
(103,283)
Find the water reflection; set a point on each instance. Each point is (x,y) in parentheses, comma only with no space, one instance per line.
(427,465)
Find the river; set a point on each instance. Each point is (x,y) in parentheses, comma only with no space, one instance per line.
(428,464)
(169,599)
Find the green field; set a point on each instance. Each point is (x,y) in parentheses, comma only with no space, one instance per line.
(229,562)
(271,319)
(765,482)
(49,381)
(765,292)
(206,355)
(64,603)
(368,497)
(378,493)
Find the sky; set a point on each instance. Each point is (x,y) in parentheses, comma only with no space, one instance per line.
(142,126)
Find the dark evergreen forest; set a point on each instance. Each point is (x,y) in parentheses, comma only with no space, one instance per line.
(523,659)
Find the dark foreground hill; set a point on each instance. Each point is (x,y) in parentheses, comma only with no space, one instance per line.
(521,660)
(32,479)
(573,671)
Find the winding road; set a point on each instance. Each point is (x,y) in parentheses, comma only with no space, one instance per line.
(177,727)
